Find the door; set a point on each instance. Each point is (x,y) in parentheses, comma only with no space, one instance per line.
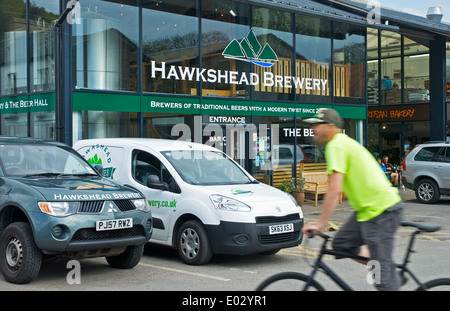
(391,146)
(442,167)
(162,202)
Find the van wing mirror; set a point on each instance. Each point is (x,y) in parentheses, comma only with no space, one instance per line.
(154,182)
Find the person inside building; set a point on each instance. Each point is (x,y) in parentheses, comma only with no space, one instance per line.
(383,167)
(391,171)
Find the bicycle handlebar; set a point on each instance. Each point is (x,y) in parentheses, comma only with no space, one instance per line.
(315,232)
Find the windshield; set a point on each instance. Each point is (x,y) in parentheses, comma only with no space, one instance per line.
(206,168)
(29,160)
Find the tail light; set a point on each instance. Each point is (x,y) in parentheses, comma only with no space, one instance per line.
(305,157)
(404,159)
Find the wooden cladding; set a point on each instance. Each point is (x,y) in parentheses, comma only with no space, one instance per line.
(309,70)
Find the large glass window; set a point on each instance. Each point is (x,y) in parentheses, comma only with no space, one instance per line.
(417,71)
(416,133)
(373,144)
(161,125)
(106,40)
(448,71)
(170,46)
(224,26)
(372,67)
(391,68)
(272,165)
(42,15)
(272,42)
(14,124)
(391,83)
(417,79)
(13,47)
(312,58)
(103,124)
(349,55)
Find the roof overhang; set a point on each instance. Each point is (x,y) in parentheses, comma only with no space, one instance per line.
(319,9)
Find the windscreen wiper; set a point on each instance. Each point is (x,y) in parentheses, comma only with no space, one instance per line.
(42,175)
(81,174)
(56,175)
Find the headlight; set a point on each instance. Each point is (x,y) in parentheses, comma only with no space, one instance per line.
(227,204)
(293,199)
(141,205)
(296,204)
(59,208)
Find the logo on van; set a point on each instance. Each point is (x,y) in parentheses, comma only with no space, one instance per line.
(250,50)
(107,171)
(99,155)
(241,192)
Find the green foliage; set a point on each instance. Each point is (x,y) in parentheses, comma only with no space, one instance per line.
(291,185)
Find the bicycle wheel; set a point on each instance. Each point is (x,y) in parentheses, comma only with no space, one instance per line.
(437,285)
(286,281)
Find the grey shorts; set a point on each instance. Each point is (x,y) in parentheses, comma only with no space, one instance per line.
(378,235)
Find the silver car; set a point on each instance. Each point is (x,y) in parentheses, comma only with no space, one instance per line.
(426,170)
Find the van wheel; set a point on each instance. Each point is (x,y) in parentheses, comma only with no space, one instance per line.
(20,258)
(128,259)
(427,191)
(193,243)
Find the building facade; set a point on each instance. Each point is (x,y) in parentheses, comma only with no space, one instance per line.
(237,74)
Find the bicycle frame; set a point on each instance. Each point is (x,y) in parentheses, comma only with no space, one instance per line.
(339,281)
(406,260)
(320,265)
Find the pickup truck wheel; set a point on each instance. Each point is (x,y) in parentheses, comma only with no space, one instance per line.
(193,243)
(427,191)
(20,258)
(128,259)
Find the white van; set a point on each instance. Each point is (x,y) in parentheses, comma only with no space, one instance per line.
(203,202)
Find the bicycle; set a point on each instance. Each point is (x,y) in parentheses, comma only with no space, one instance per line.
(309,282)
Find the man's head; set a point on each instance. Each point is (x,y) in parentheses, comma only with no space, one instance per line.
(325,124)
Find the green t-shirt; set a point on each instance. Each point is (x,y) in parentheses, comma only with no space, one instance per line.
(365,184)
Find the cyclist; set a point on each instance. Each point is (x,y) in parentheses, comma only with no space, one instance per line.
(378,205)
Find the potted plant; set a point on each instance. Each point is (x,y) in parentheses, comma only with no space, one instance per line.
(294,186)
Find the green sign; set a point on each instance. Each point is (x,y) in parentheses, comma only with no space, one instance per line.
(205,106)
(105,102)
(27,103)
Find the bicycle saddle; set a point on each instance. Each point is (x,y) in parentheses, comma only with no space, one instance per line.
(423,227)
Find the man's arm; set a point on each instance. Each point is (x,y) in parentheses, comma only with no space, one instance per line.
(330,202)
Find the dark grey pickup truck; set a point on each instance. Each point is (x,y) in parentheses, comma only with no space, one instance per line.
(53,203)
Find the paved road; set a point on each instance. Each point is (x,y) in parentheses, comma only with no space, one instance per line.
(162,270)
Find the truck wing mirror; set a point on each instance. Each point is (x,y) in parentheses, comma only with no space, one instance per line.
(99,169)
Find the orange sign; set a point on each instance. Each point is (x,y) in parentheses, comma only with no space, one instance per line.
(419,112)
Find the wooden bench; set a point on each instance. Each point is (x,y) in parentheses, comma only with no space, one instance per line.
(312,167)
(316,179)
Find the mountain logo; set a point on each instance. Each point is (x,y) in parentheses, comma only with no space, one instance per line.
(250,50)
